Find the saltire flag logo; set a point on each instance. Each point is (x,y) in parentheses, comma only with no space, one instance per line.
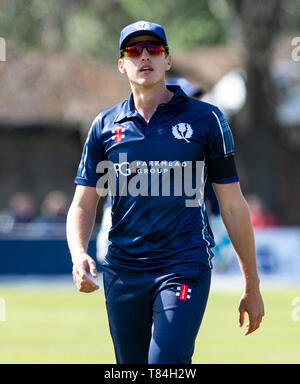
(118,134)
(184,292)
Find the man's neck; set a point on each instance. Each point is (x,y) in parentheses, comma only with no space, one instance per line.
(146,100)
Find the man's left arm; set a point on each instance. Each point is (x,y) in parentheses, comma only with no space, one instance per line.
(236,217)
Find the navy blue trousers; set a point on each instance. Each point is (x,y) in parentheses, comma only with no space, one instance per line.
(154,316)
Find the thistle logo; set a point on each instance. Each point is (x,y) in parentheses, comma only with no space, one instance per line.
(184,292)
(182,131)
(117,134)
(141,25)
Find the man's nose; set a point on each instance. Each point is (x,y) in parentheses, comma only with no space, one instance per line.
(145,54)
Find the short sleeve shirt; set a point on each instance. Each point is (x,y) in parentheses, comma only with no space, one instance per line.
(157,173)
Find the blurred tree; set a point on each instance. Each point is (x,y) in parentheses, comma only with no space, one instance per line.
(91,28)
(187,24)
(260,26)
(264,158)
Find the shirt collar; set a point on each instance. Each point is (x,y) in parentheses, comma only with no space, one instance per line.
(128,109)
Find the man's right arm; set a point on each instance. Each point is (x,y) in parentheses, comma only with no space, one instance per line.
(80,222)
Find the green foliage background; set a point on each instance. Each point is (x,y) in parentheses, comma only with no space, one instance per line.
(91,28)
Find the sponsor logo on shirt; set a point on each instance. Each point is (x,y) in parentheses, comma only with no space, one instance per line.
(182,131)
(151,178)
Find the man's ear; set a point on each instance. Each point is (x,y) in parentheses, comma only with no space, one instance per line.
(121,66)
(168,62)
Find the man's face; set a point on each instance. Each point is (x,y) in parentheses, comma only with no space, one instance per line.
(146,69)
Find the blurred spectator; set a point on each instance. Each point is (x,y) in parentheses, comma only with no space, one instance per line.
(186,86)
(102,238)
(22,208)
(260,215)
(223,250)
(54,208)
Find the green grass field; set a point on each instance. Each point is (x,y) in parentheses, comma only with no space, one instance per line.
(64,326)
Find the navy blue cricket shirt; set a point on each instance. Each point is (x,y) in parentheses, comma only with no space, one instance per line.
(153,226)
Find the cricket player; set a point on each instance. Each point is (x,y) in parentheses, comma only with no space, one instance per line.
(102,237)
(155,151)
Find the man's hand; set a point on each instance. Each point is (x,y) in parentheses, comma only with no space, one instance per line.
(251,303)
(81,266)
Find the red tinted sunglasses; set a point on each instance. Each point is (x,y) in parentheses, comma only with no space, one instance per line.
(136,49)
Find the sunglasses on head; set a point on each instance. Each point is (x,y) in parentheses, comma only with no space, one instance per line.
(136,49)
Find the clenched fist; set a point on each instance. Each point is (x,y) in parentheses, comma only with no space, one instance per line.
(81,266)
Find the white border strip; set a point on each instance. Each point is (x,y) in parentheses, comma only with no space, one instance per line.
(221,129)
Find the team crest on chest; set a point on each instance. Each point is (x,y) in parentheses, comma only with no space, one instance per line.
(118,134)
(182,131)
